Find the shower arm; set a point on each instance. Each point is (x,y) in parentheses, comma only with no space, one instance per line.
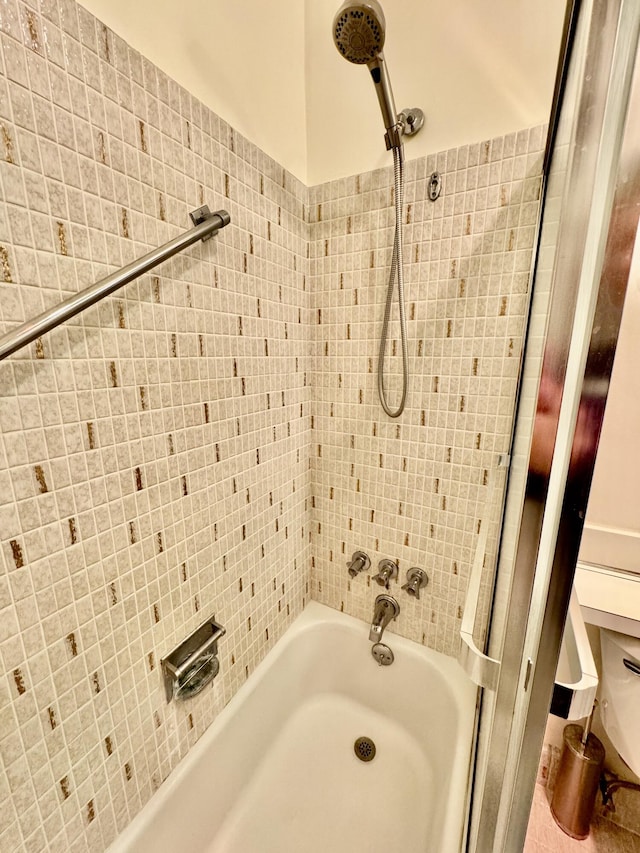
(207,224)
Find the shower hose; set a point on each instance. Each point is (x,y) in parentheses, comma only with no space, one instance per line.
(395,273)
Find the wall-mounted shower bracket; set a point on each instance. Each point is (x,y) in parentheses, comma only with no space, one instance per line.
(193,663)
(408,123)
(412,120)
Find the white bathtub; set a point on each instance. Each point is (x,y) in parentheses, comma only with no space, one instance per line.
(276,771)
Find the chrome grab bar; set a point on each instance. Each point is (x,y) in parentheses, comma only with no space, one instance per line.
(481,669)
(207,224)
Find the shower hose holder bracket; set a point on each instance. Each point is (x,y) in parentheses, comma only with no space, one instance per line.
(193,664)
(408,123)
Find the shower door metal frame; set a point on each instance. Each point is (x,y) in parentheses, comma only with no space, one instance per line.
(591,268)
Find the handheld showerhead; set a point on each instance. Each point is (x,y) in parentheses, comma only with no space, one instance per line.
(358,34)
(359,30)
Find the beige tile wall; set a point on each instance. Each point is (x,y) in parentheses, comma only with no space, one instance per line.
(185,447)
(414,489)
(154,453)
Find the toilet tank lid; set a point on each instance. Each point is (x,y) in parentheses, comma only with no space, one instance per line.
(629,645)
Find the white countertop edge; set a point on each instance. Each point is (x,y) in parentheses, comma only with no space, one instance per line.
(609,599)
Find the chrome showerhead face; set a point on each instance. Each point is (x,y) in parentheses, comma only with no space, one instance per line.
(358,31)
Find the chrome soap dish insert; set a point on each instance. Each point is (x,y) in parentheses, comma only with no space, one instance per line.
(194,663)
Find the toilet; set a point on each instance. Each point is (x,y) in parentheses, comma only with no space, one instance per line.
(620,696)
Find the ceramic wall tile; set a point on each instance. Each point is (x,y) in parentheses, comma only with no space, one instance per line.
(416,489)
(154,450)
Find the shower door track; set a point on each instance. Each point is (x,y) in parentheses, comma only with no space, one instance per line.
(206,224)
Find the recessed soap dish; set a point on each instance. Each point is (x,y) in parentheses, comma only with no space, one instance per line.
(193,664)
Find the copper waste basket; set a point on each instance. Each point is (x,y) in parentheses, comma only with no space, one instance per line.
(577,781)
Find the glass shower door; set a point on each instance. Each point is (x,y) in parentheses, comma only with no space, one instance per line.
(588,228)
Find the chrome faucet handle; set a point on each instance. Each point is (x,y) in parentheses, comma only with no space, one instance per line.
(416,579)
(387,571)
(359,562)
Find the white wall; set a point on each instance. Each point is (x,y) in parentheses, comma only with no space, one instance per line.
(612,526)
(478,70)
(243,60)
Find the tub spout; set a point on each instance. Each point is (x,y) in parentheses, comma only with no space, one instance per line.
(386,608)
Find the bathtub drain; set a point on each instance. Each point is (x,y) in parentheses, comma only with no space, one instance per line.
(365,749)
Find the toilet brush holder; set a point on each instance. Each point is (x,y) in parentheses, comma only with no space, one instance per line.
(577,781)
